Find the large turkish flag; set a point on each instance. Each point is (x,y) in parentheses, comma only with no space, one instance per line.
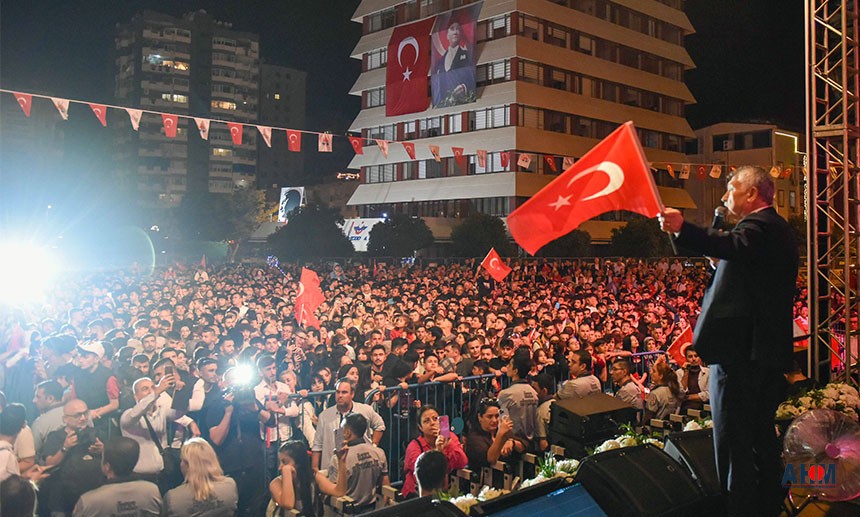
(611,176)
(310,297)
(406,74)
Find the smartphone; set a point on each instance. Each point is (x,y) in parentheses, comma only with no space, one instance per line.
(445,426)
(169,370)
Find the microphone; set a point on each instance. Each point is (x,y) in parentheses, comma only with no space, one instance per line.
(719,218)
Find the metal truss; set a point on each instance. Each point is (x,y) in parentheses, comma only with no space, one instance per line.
(833,137)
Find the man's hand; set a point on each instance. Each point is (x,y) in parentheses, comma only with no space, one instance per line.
(671,220)
(97,447)
(195,431)
(71,439)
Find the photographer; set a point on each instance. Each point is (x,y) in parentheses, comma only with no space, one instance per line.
(275,427)
(233,424)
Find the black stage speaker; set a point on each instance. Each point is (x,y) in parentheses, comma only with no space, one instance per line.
(590,418)
(640,480)
(695,451)
(421,507)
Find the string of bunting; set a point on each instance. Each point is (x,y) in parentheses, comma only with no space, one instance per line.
(170,122)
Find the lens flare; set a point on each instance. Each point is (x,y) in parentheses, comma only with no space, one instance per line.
(26,272)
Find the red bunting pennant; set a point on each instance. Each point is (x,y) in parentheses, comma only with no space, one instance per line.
(434,150)
(458,156)
(410,149)
(482,158)
(170,122)
(235,132)
(786,173)
(550,160)
(700,172)
(25,100)
(101,113)
(357,144)
(294,141)
(506,158)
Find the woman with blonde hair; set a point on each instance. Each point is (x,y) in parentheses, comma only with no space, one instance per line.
(207,492)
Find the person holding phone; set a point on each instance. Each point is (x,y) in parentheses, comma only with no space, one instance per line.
(435,434)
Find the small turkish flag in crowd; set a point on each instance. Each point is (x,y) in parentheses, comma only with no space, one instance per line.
(170,122)
(494,265)
(357,144)
(25,100)
(310,297)
(235,132)
(100,112)
(612,176)
(410,149)
(678,347)
(294,141)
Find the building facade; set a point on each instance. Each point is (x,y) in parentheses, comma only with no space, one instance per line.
(553,79)
(193,65)
(734,144)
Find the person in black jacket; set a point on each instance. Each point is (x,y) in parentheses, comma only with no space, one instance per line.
(744,332)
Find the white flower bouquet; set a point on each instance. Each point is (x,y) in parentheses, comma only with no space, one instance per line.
(839,396)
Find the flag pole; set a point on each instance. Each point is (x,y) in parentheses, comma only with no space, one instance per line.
(653,185)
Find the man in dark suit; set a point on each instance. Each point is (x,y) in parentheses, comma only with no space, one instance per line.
(744,333)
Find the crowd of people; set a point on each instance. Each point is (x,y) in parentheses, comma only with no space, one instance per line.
(192,391)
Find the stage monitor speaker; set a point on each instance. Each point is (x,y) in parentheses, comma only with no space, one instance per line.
(421,507)
(640,480)
(695,451)
(590,418)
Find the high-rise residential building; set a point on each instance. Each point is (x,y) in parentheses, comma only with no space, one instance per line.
(282,104)
(553,78)
(197,66)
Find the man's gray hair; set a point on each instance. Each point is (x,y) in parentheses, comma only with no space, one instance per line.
(759,178)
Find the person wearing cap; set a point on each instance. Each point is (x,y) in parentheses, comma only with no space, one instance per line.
(97,386)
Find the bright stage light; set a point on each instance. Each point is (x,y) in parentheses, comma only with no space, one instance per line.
(26,271)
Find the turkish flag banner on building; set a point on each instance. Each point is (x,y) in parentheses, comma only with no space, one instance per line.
(458,156)
(134,117)
(203,127)
(786,173)
(294,141)
(266,133)
(100,112)
(25,100)
(62,106)
(357,144)
(170,122)
(678,347)
(701,172)
(408,69)
(611,176)
(235,132)
(670,170)
(410,149)
(434,150)
(310,297)
(482,158)
(550,160)
(505,156)
(494,265)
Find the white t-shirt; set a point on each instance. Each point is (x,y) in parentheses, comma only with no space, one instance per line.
(8,461)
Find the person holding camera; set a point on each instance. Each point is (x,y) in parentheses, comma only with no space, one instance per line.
(275,415)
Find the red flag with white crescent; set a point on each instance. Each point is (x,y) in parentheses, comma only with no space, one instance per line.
(611,176)
(101,113)
(62,106)
(235,132)
(203,127)
(550,160)
(383,146)
(700,172)
(170,122)
(310,297)
(482,158)
(786,173)
(134,117)
(506,158)
(408,68)
(495,266)
(324,143)
(266,133)
(25,100)
(434,150)
(357,144)
(670,170)
(294,141)
(458,156)
(410,149)
(678,347)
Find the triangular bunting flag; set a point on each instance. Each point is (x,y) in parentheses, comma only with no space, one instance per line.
(266,133)
(670,170)
(25,100)
(786,173)
(357,144)
(505,157)
(170,122)
(716,171)
(550,161)
(685,171)
(458,156)
(62,106)
(701,172)
(410,149)
(482,158)
(383,146)
(134,117)
(567,163)
(525,160)
(235,132)
(434,150)
(100,112)
(774,172)
(294,141)
(203,127)
(324,143)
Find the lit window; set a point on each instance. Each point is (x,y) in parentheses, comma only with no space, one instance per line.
(219,151)
(174,97)
(224,105)
(277,96)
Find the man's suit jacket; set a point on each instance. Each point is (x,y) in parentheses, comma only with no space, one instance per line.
(746,311)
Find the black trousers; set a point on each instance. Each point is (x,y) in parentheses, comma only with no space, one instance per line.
(743,399)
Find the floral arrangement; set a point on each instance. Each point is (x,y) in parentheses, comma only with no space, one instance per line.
(630,438)
(837,396)
(466,501)
(550,467)
(698,424)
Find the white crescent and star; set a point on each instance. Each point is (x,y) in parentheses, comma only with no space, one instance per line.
(293,138)
(611,169)
(234,130)
(496,265)
(407,42)
(168,122)
(23,102)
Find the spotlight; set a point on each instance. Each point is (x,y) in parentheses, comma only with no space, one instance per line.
(26,271)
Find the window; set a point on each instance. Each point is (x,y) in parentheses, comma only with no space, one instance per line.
(224,105)
(455,123)
(375,97)
(277,96)
(792,199)
(173,97)
(377,58)
(219,151)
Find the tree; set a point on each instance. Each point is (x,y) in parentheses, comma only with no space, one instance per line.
(245,210)
(640,237)
(312,232)
(477,234)
(575,244)
(399,236)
